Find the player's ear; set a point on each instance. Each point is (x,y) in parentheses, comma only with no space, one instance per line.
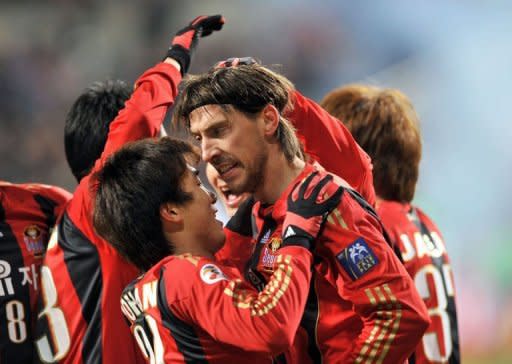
(171,213)
(271,120)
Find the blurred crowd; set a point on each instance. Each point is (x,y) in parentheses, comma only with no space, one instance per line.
(454,62)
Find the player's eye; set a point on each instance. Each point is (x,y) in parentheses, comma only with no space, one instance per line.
(218,131)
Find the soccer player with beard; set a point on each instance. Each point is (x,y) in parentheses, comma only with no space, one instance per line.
(324,140)
(385,124)
(28,213)
(82,276)
(362,305)
(187,307)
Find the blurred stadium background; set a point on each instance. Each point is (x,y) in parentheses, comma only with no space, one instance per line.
(454,60)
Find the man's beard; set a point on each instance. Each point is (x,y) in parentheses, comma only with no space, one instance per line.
(255,175)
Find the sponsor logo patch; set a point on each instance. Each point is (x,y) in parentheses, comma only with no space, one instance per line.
(357,259)
(265,237)
(211,274)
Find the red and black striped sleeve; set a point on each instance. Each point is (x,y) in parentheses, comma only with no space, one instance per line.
(234,313)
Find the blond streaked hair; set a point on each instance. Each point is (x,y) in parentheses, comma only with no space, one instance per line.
(385,124)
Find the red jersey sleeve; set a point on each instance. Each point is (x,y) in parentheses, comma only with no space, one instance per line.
(232,312)
(327,141)
(144,112)
(141,118)
(368,274)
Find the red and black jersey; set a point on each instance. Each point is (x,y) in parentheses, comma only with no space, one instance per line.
(188,309)
(27,214)
(426,259)
(328,141)
(325,139)
(83,276)
(362,304)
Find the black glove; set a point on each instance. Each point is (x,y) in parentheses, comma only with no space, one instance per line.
(184,42)
(305,216)
(235,61)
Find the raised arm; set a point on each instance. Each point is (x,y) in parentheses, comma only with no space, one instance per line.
(157,88)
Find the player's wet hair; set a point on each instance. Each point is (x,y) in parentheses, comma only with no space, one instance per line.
(385,124)
(88,122)
(246,88)
(131,187)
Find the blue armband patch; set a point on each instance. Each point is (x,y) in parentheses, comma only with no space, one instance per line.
(357,259)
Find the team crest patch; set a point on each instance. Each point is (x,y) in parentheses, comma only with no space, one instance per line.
(274,244)
(34,239)
(357,259)
(270,254)
(211,274)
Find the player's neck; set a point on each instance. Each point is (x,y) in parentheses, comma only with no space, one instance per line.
(279,174)
(184,242)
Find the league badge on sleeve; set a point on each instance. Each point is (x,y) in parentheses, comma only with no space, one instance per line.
(211,274)
(357,258)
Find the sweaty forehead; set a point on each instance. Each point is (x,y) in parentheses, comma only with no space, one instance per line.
(204,116)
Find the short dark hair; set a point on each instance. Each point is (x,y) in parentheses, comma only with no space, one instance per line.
(132,185)
(88,122)
(386,126)
(246,88)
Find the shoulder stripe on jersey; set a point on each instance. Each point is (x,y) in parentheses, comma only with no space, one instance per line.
(47,207)
(183,334)
(11,291)
(83,264)
(368,208)
(309,321)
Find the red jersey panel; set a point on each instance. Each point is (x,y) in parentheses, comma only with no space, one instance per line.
(28,212)
(83,277)
(426,259)
(189,309)
(362,305)
(328,141)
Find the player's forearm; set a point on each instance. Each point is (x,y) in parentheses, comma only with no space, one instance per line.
(269,323)
(394,323)
(145,111)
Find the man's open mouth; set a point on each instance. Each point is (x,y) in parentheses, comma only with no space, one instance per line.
(232,200)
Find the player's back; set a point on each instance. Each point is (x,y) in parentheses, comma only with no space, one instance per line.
(426,260)
(27,214)
(83,278)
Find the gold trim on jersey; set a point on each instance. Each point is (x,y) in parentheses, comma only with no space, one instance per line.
(335,218)
(192,259)
(387,323)
(270,296)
